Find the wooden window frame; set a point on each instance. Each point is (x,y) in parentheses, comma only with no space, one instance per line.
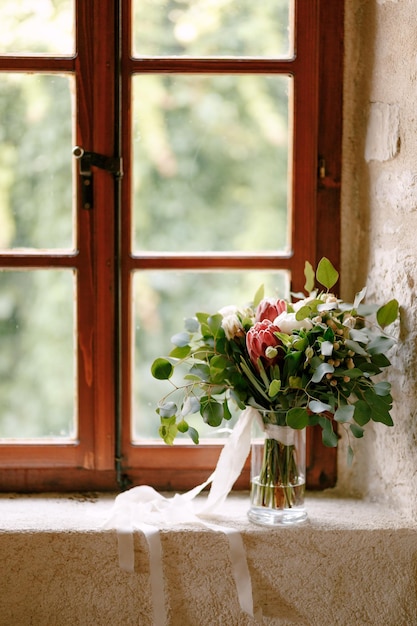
(104,458)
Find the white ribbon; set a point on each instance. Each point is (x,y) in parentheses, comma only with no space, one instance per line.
(283,434)
(144,509)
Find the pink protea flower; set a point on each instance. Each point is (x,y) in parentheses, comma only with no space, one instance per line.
(262,343)
(269,309)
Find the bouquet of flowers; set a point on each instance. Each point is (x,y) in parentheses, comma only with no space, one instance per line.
(308,361)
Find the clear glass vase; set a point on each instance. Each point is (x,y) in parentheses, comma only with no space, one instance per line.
(278,477)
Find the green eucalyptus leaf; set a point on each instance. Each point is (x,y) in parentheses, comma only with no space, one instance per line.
(355,372)
(180,339)
(259,295)
(357,431)
(302,313)
(297,418)
(168,431)
(162,369)
(211,411)
(167,410)
(201,370)
(318,407)
(180,352)
(388,313)
(359,335)
(215,323)
(202,318)
(309,276)
(226,411)
(355,347)
(359,297)
(326,273)
(274,388)
(344,413)
(380,360)
(362,413)
(382,388)
(191,432)
(380,345)
(182,426)
(322,370)
(328,435)
(191,405)
(191,324)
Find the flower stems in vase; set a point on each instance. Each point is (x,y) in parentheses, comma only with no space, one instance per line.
(278,485)
(278,480)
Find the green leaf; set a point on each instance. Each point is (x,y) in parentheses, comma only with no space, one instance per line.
(162,369)
(388,313)
(326,273)
(259,295)
(302,313)
(226,411)
(191,405)
(344,413)
(357,431)
(380,360)
(323,368)
(180,353)
(355,347)
(191,432)
(383,388)
(211,411)
(359,297)
(191,324)
(328,435)
(362,413)
(180,339)
(274,388)
(167,410)
(309,276)
(201,370)
(292,362)
(355,372)
(182,426)
(318,407)
(168,431)
(380,345)
(215,323)
(297,418)
(359,335)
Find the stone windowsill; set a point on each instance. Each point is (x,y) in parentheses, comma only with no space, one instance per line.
(352,562)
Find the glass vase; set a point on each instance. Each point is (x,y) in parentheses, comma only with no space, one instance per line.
(278,477)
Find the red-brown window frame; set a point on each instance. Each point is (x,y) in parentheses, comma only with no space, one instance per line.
(315,231)
(104,262)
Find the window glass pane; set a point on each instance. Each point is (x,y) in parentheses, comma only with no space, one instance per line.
(37,27)
(211,163)
(36,207)
(37,365)
(162,300)
(213,28)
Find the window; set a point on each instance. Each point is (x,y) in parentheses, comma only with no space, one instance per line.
(209,162)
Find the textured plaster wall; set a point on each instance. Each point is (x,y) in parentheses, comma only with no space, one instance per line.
(379,224)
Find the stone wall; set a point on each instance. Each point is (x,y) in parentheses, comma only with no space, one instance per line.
(379,225)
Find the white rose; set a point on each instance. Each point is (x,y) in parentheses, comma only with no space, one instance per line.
(231,323)
(298,305)
(287,323)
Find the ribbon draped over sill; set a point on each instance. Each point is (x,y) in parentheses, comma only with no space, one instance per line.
(142,508)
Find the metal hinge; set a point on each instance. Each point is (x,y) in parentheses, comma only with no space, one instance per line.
(114,165)
(322,168)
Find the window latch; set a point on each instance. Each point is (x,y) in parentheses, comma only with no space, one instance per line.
(86,161)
